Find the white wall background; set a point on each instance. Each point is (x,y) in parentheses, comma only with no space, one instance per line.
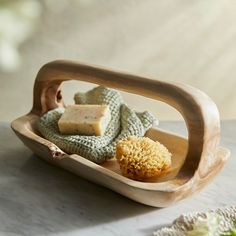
(188,41)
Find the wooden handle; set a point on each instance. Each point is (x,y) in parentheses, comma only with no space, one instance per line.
(199,111)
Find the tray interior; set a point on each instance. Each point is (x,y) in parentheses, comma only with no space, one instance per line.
(176,144)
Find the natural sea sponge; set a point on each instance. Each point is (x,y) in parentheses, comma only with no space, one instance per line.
(141,158)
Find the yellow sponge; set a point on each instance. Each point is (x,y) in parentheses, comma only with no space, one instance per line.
(142,158)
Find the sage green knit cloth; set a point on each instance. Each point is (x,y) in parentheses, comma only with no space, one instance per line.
(124,122)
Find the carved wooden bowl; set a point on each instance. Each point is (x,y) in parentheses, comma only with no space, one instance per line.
(195,161)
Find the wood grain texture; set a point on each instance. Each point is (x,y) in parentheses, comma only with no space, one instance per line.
(201,156)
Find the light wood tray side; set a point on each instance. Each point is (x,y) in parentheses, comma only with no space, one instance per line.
(165,192)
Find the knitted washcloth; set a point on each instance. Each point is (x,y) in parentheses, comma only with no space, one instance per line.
(124,122)
(184,223)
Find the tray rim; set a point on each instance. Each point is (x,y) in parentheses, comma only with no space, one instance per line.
(151,186)
(203,160)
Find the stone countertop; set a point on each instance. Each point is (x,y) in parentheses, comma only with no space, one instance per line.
(39,199)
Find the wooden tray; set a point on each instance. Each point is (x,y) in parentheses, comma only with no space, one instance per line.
(195,161)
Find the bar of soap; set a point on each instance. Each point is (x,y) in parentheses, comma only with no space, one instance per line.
(85,120)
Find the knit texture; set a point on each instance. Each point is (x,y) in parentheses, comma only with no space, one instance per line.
(184,223)
(124,122)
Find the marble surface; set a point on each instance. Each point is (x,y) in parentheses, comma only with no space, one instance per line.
(39,199)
